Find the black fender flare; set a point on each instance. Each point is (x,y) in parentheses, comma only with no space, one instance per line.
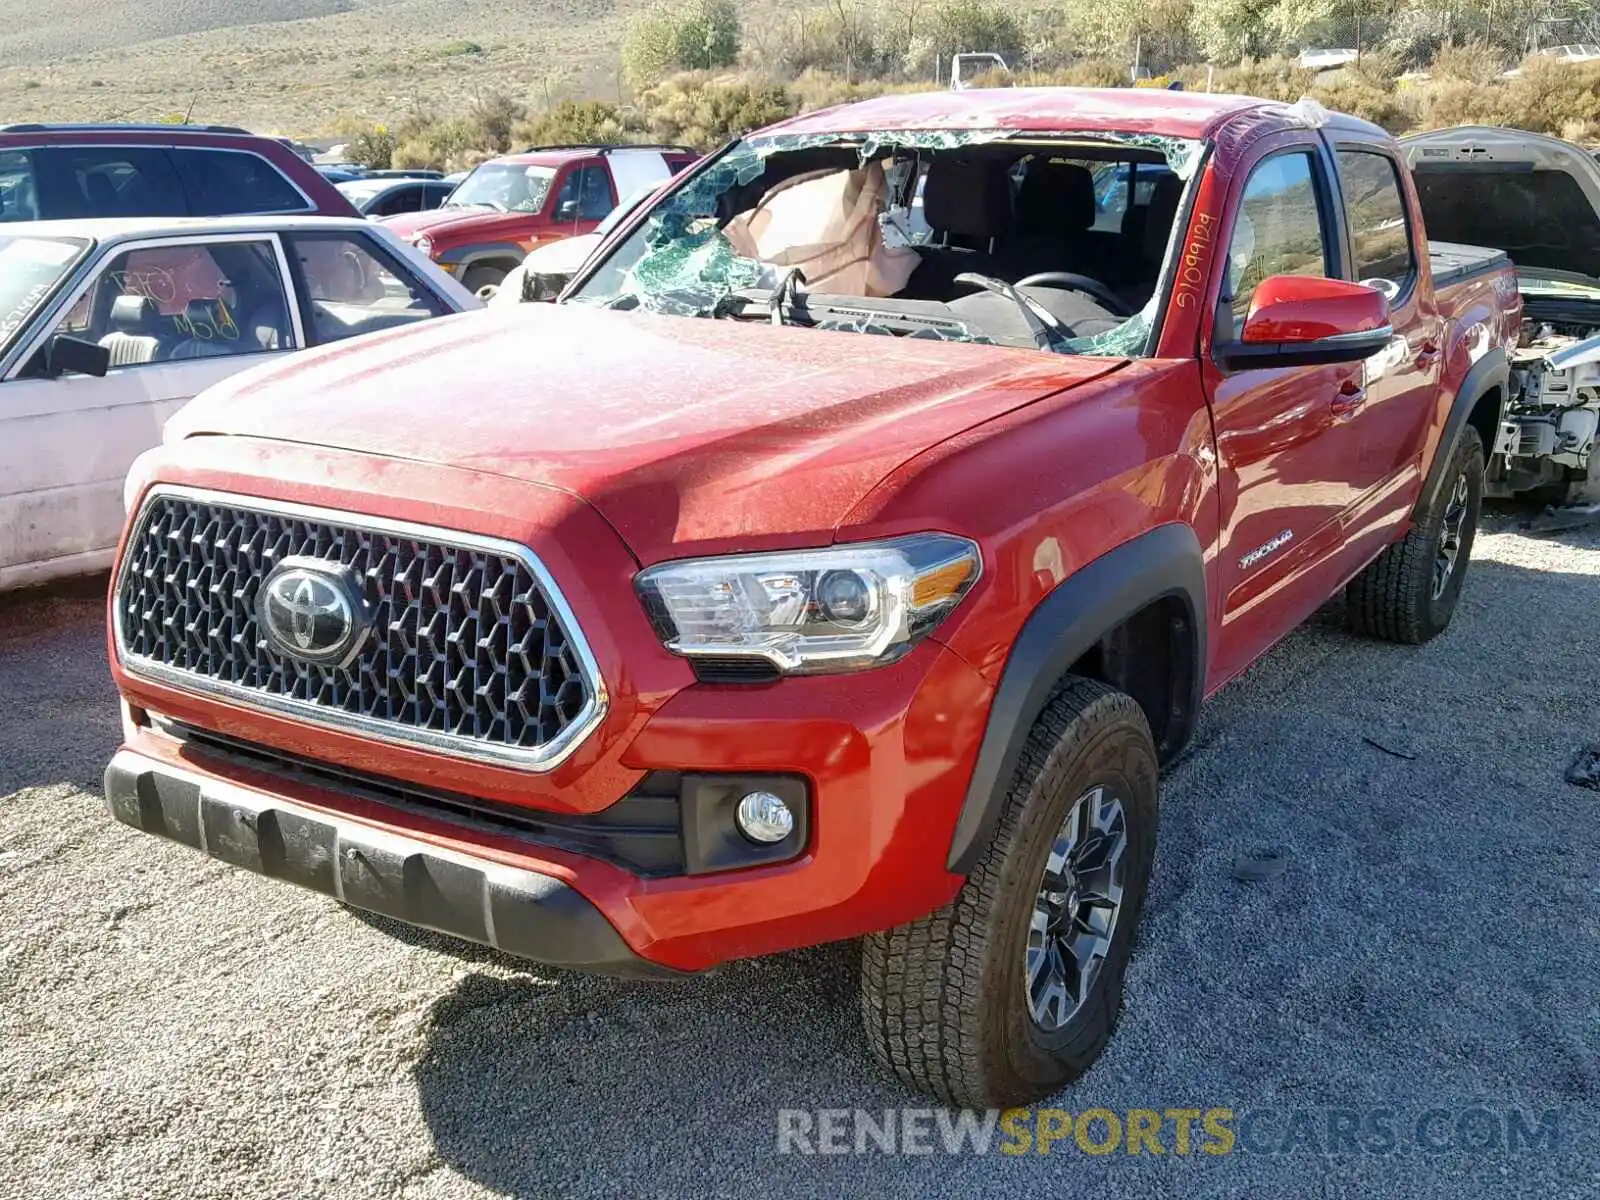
(464,258)
(1067,624)
(1491,371)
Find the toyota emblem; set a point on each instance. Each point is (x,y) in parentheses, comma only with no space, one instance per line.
(311,610)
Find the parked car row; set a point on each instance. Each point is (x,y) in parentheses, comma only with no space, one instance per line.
(141,264)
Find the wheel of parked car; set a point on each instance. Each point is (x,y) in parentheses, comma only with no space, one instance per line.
(1409,592)
(478,278)
(1012,990)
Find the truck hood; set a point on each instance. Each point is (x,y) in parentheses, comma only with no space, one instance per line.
(440,221)
(688,435)
(1535,197)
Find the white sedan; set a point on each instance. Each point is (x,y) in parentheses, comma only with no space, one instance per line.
(108,326)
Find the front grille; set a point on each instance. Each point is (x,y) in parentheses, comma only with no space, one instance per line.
(471,648)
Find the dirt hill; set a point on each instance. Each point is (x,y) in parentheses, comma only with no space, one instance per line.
(295,66)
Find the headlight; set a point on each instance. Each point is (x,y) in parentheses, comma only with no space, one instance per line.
(844,608)
(424,243)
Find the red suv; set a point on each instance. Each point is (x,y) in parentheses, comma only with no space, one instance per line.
(510,205)
(50,172)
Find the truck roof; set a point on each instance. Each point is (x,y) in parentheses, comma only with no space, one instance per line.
(555,155)
(1050,109)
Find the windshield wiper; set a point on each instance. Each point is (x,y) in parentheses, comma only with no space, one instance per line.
(1048,333)
(784,292)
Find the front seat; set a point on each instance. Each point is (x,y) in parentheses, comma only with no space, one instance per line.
(215,332)
(133,339)
(966,201)
(1055,213)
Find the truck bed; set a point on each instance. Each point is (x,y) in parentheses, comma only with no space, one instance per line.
(1456,262)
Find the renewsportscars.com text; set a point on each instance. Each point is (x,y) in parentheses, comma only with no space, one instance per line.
(1170,1131)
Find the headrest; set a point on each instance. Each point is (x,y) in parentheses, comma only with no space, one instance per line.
(1164,198)
(1056,197)
(968,197)
(134,314)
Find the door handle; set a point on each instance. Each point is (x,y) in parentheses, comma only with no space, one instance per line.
(1351,397)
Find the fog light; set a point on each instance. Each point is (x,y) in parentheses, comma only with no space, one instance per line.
(763,817)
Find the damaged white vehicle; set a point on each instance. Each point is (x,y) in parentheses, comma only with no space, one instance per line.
(1538,199)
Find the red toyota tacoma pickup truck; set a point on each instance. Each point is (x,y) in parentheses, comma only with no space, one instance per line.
(843,557)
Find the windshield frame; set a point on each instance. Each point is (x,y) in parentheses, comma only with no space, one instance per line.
(23,314)
(1186,157)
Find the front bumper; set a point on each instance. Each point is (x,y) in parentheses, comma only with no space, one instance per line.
(519,911)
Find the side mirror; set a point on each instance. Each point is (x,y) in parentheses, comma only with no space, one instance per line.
(567,211)
(69,354)
(1304,321)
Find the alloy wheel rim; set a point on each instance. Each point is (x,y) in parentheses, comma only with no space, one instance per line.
(1076,909)
(1450,535)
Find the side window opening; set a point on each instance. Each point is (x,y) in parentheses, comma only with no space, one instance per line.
(1379,233)
(168,303)
(350,287)
(1279,230)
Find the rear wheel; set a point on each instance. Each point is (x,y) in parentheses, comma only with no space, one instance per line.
(1409,592)
(1013,989)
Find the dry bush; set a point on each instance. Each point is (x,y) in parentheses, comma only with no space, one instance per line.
(493,118)
(1353,93)
(1549,95)
(1267,78)
(693,109)
(578,122)
(1470,62)
(1088,72)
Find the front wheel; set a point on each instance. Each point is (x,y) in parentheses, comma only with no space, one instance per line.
(1013,989)
(1409,592)
(478,278)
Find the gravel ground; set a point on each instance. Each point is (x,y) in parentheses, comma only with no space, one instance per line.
(172,1027)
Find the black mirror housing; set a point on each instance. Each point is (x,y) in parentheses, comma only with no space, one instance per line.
(1339,348)
(67,354)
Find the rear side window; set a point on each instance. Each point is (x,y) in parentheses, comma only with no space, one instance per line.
(222,183)
(352,287)
(1377,214)
(105,181)
(1279,230)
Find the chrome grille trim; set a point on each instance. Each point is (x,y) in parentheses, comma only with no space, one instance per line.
(537,758)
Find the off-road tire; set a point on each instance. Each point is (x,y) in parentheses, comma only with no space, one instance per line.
(944,998)
(478,278)
(1393,598)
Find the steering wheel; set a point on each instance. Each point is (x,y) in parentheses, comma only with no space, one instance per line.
(1072,281)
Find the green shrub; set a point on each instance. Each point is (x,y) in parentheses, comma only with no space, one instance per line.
(457,49)
(685,36)
(373,148)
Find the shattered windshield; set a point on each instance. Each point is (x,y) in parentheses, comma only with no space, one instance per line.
(30,270)
(1053,242)
(508,187)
